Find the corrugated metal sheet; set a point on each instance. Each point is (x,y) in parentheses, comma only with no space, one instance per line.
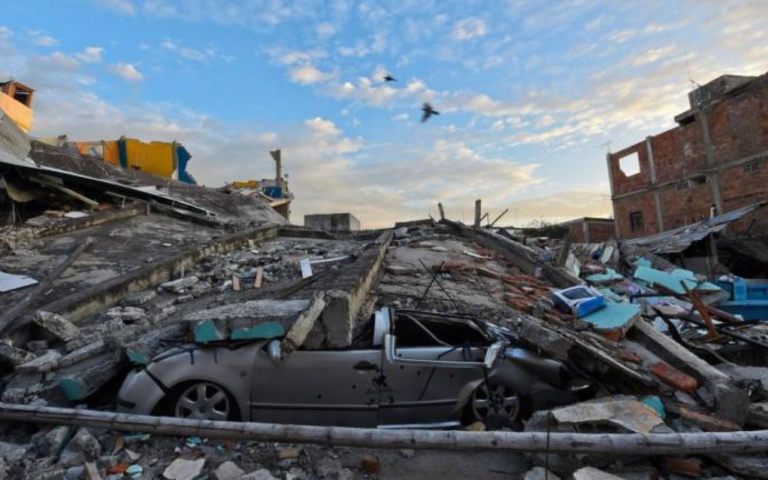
(14,143)
(677,240)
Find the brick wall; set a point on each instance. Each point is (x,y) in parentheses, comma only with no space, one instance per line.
(598,230)
(738,129)
(601,231)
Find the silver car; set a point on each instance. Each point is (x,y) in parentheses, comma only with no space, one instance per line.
(407,369)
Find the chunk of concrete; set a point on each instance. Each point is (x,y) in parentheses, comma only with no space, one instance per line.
(83,379)
(591,473)
(730,402)
(303,325)
(127,314)
(182,469)
(83,353)
(13,356)
(44,363)
(539,473)
(628,414)
(228,471)
(56,325)
(140,298)
(177,286)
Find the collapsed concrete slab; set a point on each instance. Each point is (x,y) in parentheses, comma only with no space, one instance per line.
(345,296)
(730,402)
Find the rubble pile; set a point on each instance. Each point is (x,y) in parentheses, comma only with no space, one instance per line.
(100,274)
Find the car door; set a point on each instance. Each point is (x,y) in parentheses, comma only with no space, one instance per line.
(425,395)
(317,388)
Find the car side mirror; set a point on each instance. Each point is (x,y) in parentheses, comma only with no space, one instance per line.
(275,351)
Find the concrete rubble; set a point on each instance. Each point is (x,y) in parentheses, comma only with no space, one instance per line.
(663,356)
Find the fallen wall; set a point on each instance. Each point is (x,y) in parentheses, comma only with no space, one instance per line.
(346,295)
(88,302)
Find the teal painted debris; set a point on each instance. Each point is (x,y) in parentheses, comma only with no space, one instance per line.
(262,331)
(72,390)
(136,358)
(206,332)
(672,280)
(655,403)
(614,319)
(610,276)
(667,280)
(643,262)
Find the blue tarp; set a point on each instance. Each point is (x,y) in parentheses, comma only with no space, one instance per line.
(183,157)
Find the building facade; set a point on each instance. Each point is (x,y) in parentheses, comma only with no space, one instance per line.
(713,162)
(333,222)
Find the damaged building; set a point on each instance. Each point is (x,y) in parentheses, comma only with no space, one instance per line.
(711,163)
(143,317)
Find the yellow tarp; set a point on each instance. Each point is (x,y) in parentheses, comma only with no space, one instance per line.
(153,157)
(18,112)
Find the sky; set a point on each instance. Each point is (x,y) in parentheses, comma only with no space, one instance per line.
(531,93)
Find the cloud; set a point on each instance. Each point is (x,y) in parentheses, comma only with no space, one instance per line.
(325,30)
(41,40)
(126,7)
(469,28)
(293,57)
(5,32)
(90,55)
(127,71)
(188,53)
(307,75)
(653,55)
(323,127)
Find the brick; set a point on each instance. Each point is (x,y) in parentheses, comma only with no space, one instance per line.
(629,357)
(398,270)
(682,466)
(488,273)
(708,422)
(674,378)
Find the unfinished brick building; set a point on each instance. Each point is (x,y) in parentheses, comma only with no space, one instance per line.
(714,161)
(591,230)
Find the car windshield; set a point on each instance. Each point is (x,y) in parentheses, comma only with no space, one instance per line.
(426,329)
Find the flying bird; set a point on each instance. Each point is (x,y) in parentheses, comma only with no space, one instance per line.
(389,78)
(428,111)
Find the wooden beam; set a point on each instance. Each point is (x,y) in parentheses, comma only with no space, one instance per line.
(478,212)
(554,442)
(442,212)
(65,190)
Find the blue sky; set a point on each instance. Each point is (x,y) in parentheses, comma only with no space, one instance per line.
(530,91)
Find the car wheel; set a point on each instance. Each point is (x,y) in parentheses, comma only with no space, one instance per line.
(495,405)
(202,401)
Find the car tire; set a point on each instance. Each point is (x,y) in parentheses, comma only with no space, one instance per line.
(480,407)
(201,400)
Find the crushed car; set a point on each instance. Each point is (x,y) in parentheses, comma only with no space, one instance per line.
(406,369)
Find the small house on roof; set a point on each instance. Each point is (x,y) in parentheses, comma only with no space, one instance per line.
(18,91)
(16,103)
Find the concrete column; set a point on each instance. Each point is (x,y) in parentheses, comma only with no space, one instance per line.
(613,201)
(713,176)
(656,191)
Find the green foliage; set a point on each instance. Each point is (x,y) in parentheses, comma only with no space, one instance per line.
(542,228)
